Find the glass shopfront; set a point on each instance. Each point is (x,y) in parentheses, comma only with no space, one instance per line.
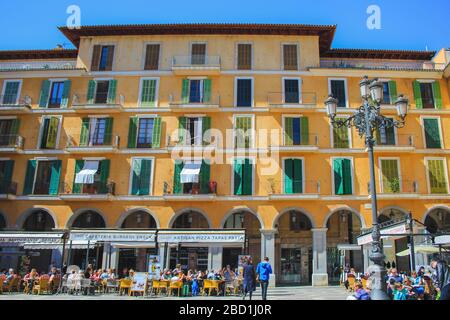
(190,258)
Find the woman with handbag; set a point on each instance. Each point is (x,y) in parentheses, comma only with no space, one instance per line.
(249,276)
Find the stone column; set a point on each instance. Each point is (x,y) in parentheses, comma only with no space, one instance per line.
(115,259)
(215,258)
(162,252)
(320,275)
(105,256)
(268,250)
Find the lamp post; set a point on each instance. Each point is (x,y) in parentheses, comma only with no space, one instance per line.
(367,119)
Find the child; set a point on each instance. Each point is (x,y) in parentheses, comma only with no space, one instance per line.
(400,292)
(195,289)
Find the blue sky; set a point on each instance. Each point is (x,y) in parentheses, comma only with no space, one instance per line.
(412,24)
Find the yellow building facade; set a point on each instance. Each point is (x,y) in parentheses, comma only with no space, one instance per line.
(90,139)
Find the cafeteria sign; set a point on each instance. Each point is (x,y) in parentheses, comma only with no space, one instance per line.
(112,236)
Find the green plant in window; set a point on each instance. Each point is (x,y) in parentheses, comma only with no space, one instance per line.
(394,185)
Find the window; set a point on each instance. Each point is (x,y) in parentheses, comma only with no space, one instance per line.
(141,175)
(152,57)
(148,94)
(390,177)
(11,92)
(389,92)
(101,92)
(341,138)
(144,132)
(293,176)
(427,94)
(342,170)
(102,58)
(290,57)
(196,91)
(338,88)
(198,53)
(385,136)
(299,222)
(6,170)
(437,176)
(432,133)
(91,177)
(291,90)
(56,94)
(49,132)
(244,92)
(42,177)
(191,178)
(8,132)
(96,132)
(243,177)
(296,131)
(192,130)
(244,56)
(243,131)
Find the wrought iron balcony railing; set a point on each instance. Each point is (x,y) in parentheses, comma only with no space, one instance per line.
(96,188)
(287,99)
(93,141)
(11,141)
(196,61)
(12,100)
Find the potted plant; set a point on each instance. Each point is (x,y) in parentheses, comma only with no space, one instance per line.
(394,185)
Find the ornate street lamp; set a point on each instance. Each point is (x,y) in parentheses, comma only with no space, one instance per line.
(367,119)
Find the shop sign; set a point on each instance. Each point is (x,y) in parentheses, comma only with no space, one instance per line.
(398,229)
(54,238)
(190,237)
(113,236)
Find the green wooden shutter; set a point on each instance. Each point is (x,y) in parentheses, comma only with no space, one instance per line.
(288,131)
(417,95)
(111,99)
(7,175)
(52,133)
(288,176)
(248,177)
(207,90)
(65,94)
(148,94)
(205,172)
(91,91)
(29,177)
(77,187)
(177,186)
(238,178)
(104,175)
(437,174)
(206,134)
(182,130)
(185,91)
(390,176)
(432,136)
(54,179)
(437,95)
(136,180)
(156,134)
(247,128)
(108,131)
(304,131)
(342,176)
(298,176)
(44,138)
(45,90)
(347,175)
(144,186)
(15,127)
(132,132)
(84,136)
(11,92)
(393,91)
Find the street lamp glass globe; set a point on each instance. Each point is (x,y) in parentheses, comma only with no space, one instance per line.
(402,106)
(376,91)
(364,87)
(331,106)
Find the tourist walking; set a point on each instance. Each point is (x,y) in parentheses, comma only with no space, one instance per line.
(263,272)
(442,278)
(249,276)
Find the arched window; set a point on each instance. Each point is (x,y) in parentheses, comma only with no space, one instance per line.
(190,220)
(39,220)
(139,219)
(89,219)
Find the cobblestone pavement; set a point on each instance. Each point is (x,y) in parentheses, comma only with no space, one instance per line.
(283,293)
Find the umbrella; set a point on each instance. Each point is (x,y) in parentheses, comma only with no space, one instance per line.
(418,249)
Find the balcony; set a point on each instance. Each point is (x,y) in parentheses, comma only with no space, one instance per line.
(8,190)
(311,143)
(96,144)
(101,103)
(38,65)
(191,192)
(11,143)
(9,104)
(98,191)
(402,143)
(382,65)
(396,188)
(196,65)
(301,189)
(282,101)
(202,103)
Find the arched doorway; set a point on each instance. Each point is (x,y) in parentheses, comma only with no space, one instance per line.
(438,220)
(137,258)
(243,219)
(188,255)
(343,227)
(38,220)
(88,219)
(293,247)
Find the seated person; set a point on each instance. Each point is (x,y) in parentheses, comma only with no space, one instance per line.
(360,292)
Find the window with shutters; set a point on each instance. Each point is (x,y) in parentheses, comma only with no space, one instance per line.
(296,131)
(243,132)
(243,176)
(342,176)
(432,133)
(244,56)
(49,132)
(145,133)
(45,177)
(386,93)
(11,92)
(390,176)
(341,136)
(195,180)
(141,176)
(196,91)
(102,58)
(96,131)
(152,53)
(148,96)
(385,136)
(6,171)
(290,57)
(56,94)
(8,132)
(437,176)
(338,88)
(101,92)
(244,92)
(426,91)
(293,175)
(198,53)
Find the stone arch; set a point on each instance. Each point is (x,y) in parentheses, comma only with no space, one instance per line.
(185,210)
(344,208)
(79,212)
(127,213)
(391,208)
(439,206)
(241,209)
(27,213)
(437,223)
(285,210)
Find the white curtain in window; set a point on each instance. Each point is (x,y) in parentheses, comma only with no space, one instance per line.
(87,174)
(190,172)
(198,126)
(92,126)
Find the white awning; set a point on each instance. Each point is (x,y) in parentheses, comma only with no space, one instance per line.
(49,246)
(442,240)
(86,175)
(418,249)
(132,245)
(190,173)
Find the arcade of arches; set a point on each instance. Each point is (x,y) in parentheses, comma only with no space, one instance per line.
(301,252)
